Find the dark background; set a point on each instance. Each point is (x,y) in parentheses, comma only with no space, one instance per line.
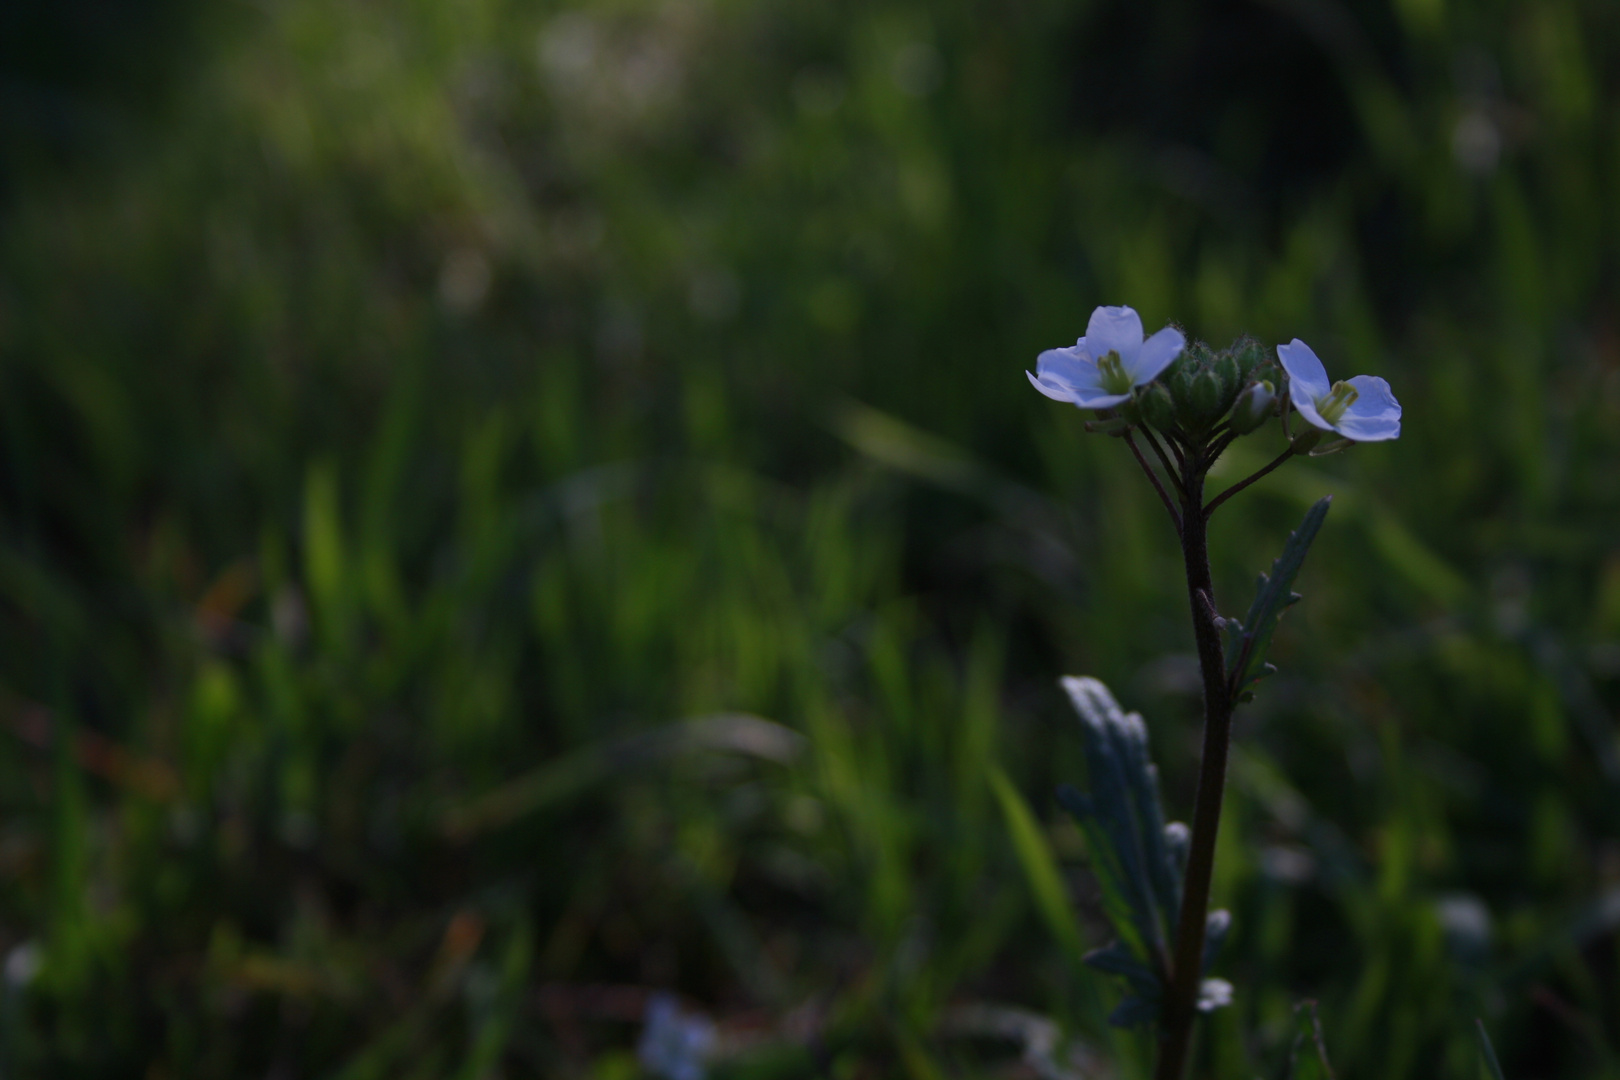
(421,420)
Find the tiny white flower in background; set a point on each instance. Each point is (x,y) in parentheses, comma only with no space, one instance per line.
(674,1045)
(1112,360)
(1363,409)
(23,964)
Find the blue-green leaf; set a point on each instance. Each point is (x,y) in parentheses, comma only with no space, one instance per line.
(1487,1052)
(1249,640)
(1117,959)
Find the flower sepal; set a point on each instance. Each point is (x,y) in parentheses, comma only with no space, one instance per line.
(1158,408)
(1305,441)
(1254,406)
(1333,447)
(1112,425)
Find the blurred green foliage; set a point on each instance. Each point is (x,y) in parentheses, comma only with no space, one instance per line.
(507,507)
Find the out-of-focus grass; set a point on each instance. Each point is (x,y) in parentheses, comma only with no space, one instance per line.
(507,509)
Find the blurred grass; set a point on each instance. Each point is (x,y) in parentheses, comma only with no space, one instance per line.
(504,508)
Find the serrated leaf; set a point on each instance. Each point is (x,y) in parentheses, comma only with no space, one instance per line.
(1138,859)
(1124,797)
(1116,959)
(1134,1012)
(1487,1052)
(1309,1059)
(1111,877)
(1249,640)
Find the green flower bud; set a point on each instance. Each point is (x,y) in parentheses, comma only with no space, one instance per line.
(1205,402)
(1250,356)
(1226,369)
(1178,380)
(1253,407)
(1158,408)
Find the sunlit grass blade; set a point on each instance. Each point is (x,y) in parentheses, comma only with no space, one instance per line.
(1039,865)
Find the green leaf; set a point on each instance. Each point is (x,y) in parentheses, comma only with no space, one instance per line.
(1309,1059)
(1040,867)
(1249,640)
(1487,1052)
(1116,959)
(1127,817)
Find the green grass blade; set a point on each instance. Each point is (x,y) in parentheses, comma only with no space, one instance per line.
(1487,1052)
(1039,865)
(1309,1060)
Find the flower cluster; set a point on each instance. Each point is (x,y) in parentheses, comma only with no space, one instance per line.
(1192,393)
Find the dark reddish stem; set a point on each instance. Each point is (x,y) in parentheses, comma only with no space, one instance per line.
(1152,476)
(1186,970)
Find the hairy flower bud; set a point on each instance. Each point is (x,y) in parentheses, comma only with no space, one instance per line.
(1158,409)
(1253,406)
(1205,402)
(1226,369)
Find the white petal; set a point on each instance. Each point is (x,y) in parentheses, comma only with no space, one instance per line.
(1158,352)
(1090,398)
(1054,390)
(1071,367)
(1307,378)
(1115,329)
(1375,414)
(1307,409)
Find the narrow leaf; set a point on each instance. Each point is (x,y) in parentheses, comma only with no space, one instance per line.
(1251,639)
(1487,1052)
(1309,1060)
(1134,1011)
(1040,867)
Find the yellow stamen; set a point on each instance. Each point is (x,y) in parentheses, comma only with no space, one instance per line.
(1115,379)
(1332,405)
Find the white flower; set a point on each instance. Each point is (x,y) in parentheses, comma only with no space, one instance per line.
(1112,360)
(1362,410)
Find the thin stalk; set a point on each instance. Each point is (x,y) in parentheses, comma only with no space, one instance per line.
(1158,448)
(1241,484)
(1186,971)
(1152,476)
(1178,448)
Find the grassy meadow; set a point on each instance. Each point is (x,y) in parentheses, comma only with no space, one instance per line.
(507,509)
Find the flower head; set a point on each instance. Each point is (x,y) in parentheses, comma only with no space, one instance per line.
(1362,409)
(1105,366)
